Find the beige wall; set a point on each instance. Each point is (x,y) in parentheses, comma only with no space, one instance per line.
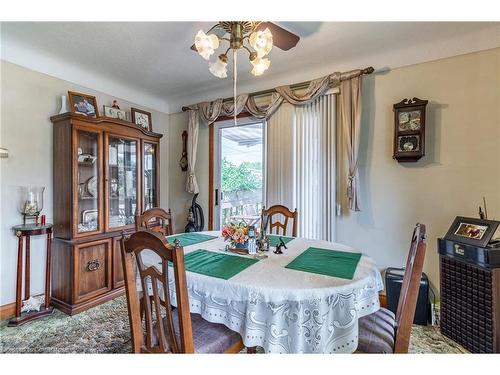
(179,199)
(462,162)
(28,100)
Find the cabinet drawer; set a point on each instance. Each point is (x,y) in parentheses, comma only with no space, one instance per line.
(118,279)
(92,264)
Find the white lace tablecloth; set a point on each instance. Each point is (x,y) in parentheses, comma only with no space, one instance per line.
(284,310)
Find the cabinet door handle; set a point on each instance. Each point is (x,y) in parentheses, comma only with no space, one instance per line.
(93,265)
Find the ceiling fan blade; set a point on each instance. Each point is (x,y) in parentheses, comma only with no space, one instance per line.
(283,39)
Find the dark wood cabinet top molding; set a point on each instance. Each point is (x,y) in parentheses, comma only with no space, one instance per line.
(100,120)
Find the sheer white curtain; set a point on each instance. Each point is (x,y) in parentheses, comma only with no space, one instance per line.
(301,159)
(279,156)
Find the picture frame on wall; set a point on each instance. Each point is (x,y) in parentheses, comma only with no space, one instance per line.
(83,104)
(142,118)
(472,231)
(113,112)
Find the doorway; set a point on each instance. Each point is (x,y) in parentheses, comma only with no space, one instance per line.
(238,172)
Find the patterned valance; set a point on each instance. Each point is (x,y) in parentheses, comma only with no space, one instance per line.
(210,111)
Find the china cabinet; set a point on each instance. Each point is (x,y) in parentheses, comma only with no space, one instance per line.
(105,171)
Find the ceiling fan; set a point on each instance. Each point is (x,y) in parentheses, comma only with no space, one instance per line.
(257,38)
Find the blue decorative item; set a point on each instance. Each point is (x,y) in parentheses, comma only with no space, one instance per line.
(240,245)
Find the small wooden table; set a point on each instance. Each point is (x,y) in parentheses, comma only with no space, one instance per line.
(21,232)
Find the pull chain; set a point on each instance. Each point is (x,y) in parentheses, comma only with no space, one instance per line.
(235,79)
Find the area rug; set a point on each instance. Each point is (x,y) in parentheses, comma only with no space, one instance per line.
(105,329)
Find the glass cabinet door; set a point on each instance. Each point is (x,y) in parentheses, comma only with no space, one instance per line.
(122,181)
(150,193)
(87,154)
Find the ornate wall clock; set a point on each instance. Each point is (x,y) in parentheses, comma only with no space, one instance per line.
(184,162)
(409,130)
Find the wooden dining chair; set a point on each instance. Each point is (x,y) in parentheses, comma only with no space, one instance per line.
(384,332)
(157,220)
(268,224)
(167,330)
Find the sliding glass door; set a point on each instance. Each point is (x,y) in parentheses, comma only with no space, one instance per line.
(239,173)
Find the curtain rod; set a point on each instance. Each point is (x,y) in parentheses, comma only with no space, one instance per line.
(295,86)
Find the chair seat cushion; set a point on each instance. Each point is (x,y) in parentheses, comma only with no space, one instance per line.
(207,337)
(377,332)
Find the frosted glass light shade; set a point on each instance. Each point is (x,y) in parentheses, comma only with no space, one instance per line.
(262,42)
(219,67)
(206,44)
(260,66)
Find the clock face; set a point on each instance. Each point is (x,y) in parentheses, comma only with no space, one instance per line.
(409,120)
(183,163)
(409,143)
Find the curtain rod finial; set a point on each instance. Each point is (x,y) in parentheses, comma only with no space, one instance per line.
(184,109)
(368,70)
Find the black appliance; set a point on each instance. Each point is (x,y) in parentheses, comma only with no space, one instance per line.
(393,283)
(196,219)
(470,294)
(488,256)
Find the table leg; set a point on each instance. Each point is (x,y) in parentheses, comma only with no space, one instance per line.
(27,271)
(47,271)
(19,281)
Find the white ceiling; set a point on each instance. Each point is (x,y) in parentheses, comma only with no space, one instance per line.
(151,63)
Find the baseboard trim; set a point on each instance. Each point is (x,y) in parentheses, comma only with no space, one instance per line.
(7,311)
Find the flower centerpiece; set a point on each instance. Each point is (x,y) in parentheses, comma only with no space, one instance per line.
(236,234)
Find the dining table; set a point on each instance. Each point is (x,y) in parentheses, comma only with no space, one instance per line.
(284,303)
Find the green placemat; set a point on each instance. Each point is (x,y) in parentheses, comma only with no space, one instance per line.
(187,239)
(326,262)
(274,239)
(217,265)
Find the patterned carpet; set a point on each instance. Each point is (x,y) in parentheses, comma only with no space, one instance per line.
(105,329)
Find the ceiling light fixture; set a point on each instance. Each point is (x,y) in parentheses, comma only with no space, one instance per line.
(206,44)
(255,37)
(262,42)
(242,34)
(219,68)
(260,65)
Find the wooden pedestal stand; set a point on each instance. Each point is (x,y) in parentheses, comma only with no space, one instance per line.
(21,232)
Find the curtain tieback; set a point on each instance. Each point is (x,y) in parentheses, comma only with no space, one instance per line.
(350,180)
